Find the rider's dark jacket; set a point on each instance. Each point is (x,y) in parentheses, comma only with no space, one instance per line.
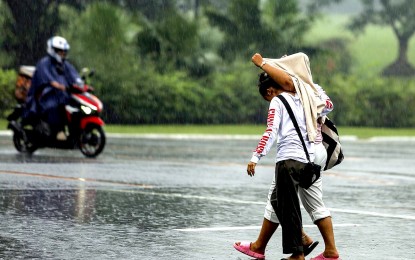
(42,96)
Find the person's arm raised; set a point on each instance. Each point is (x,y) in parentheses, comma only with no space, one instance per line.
(278,75)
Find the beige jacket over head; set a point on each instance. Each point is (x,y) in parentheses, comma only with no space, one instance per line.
(298,66)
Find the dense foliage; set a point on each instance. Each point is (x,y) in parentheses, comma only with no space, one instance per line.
(373,102)
(173,98)
(7,86)
(194,67)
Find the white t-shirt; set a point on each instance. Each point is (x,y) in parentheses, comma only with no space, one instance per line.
(281,128)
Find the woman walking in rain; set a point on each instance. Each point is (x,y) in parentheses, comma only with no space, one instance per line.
(272,83)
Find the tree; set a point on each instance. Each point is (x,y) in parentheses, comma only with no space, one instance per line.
(283,26)
(397,14)
(106,45)
(173,39)
(151,9)
(5,58)
(29,26)
(270,27)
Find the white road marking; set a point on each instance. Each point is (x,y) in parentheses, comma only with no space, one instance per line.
(248,228)
(371,213)
(235,201)
(187,196)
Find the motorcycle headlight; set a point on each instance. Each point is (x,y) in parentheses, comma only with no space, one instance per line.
(87,110)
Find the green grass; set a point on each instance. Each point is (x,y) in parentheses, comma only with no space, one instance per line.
(186,129)
(360,132)
(368,132)
(372,50)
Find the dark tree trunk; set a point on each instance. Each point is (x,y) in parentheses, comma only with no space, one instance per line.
(400,67)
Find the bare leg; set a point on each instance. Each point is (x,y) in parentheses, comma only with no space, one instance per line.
(306,242)
(306,239)
(326,229)
(267,230)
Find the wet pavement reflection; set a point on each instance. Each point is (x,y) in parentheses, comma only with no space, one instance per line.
(181,198)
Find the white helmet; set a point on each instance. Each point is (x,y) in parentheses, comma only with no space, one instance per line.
(57,43)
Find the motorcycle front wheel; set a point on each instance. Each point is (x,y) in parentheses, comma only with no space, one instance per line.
(92,140)
(21,145)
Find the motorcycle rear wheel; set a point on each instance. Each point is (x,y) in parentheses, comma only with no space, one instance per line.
(21,145)
(92,140)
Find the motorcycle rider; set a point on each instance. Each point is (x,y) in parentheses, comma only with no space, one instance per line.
(48,94)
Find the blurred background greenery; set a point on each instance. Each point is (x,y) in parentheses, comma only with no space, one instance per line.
(161,62)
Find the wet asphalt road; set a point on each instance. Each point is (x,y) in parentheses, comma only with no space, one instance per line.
(190,198)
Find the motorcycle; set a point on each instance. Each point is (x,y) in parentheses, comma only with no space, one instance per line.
(83,129)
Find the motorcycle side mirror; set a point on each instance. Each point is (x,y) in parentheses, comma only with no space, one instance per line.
(86,73)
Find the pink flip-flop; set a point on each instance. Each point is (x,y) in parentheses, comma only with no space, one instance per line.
(321,257)
(245,247)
